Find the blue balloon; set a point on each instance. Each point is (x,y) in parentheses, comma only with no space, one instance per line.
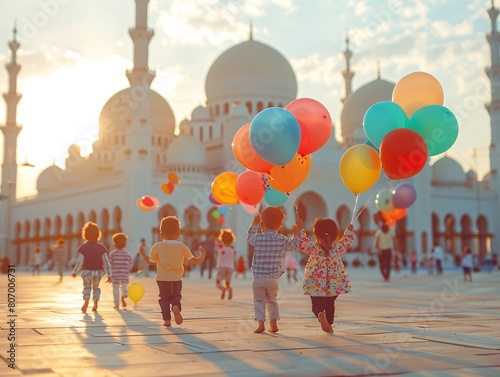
(223,210)
(370,144)
(382,118)
(275,135)
(275,198)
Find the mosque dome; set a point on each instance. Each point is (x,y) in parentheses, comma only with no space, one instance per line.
(447,170)
(200,113)
(115,114)
(49,178)
(353,112)
(250,68)
(186,150)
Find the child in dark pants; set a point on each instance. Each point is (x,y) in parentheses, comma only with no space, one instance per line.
(169,256)
(325,276)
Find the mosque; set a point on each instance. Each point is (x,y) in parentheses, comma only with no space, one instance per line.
(137,146)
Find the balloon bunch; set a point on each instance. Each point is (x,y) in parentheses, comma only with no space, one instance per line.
(393,203)
(218,214)
(147,203)
(276,149)
(168,187)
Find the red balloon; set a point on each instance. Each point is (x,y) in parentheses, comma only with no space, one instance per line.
(315,124)
(147,201)
(403,153)
(250,187)
(396,214)
(246,154)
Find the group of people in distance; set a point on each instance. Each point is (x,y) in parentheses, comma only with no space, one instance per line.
(325,276)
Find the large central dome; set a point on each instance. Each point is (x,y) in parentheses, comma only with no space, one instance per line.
(251,68)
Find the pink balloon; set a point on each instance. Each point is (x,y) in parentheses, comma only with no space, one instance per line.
(314,121)
(252,209)
(250,187)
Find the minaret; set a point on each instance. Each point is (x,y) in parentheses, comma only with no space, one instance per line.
(10,132)
(493,108)
(347,73)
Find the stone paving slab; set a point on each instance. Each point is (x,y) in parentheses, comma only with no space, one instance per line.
(413,326)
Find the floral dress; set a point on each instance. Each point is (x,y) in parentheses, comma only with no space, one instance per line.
(324,275)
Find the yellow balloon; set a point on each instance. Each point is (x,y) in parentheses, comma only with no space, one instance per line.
(135,291)
(417,90)
(360,168)
(224,188)
(288,177)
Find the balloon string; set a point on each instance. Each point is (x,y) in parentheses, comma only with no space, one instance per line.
(354,209)
(374,192)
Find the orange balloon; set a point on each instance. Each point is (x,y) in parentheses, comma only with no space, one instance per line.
(245,154)
(288,177)
(167,187)
(224,188)
(143,207)
(417,90)
(173,178)
(394,215)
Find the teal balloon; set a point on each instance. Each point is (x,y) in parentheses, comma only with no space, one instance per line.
(437,125)
(382,118)
(370,144)
(383,200)
(275,135)
(275,198)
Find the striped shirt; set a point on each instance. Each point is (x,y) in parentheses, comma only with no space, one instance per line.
(121,262)
(60,255)
(269,248)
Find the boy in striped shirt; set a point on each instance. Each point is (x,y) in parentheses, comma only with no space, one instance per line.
(121,262)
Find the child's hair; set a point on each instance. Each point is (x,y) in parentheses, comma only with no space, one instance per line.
(119,240)
(38,249)
(227,236)
(272,218)
(322,228)
(91,232)
(170,227)
(385,228)
(467,250)
(60,241)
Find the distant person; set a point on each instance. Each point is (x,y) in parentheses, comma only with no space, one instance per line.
(431,263)
(414,262)
(4,264)
(325,276)
(226,262)
(488,261)
(36,261)
(467,263)
(384,243)
(397,263)
(267,264)
(209,261)
(291,266)
(60,257)
(169,256)
(241,267)
(94,263)
(438,258)
(121,261)
(140,265)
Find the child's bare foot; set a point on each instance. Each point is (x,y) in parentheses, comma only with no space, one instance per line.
(124,303)
(222,293)
(177,315)
(273,325)
(261,328)
(325,326)
(85,306)
(167,323)
(94,308)
(230,295)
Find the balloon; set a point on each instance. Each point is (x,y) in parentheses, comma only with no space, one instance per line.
(314,121)
(156,201)
(394,215)
(404,196)
(288,177)
(383,200)
(167,187)
(147,201)
(275,198)
(370,144)
(212,199)
(216,214)
(252,209)
(437,125)
(360,168)
(417,90)
(173,178)
(275,135)
(221,220)
(224,188)
(143,207)
(381,118)
(135,291)
(245,154)
(250,187)
(223,210)
(403,153)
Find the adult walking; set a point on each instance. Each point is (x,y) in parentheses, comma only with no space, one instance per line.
(384,243)
(59,257)
(438,257)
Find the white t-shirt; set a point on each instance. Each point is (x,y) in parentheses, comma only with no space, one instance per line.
(385,239)
(467,260)
(438,252)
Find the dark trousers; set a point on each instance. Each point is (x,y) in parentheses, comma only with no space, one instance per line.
(170,295)
(384,260)
(439,266)
(207,264)
(324,304)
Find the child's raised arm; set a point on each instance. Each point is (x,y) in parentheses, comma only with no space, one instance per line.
(200,258)
(145,256)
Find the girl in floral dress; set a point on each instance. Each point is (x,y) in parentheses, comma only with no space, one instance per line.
(325,276)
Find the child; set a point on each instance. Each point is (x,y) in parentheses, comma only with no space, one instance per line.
(169,256)
(226,261)
(240,267)
(325,276)
(60,257)
(430,263)
(121,262)
(93,260)
(267,263)
(291,266)
(36,261)
(467,263)
(414,260)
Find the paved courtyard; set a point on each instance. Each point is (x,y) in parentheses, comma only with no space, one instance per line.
(416,325)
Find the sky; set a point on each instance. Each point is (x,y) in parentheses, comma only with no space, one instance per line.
(74,55)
